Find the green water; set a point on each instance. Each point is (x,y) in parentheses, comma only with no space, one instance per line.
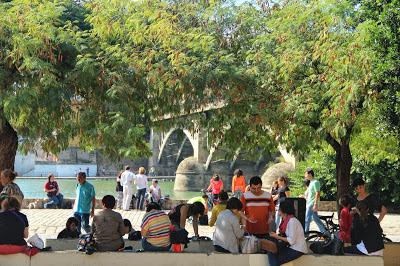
(33,188)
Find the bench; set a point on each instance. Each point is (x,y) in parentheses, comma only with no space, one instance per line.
(75,258)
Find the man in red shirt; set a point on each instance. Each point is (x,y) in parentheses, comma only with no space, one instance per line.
(258,206)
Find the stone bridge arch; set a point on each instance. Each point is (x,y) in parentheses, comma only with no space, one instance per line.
(165,137)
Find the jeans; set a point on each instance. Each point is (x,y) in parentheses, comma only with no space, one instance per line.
(83,219)
(284,255)
(140,198)
(149,247)
(310,214)
(54,201)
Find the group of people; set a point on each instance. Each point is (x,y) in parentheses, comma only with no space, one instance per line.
(270,216)
(125,181)
(360,229)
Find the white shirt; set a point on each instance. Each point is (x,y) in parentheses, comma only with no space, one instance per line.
(127,178)
(141,181)
(227,231)
(295,235)
(155,192)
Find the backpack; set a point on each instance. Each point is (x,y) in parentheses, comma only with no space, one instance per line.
(86,244)
(333,246)
(179,236)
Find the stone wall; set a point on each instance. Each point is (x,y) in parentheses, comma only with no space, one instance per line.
(67,258)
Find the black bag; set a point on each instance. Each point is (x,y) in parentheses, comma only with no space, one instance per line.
(135,235)
(333,246)
(179,236)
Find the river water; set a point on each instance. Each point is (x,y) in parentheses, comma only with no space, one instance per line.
(33,188)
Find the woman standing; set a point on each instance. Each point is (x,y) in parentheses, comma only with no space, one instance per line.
(238,184)
(216,185)
(53,193)
(141,186)
(282,193)
(11,189)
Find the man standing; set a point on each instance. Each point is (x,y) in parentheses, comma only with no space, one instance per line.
(258,206)
(126,182)
(313,194)
(84,203)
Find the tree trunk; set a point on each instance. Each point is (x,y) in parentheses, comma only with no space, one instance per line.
(344,161)
(8,143)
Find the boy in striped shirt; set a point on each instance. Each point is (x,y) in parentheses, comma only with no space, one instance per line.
(258,206)
(155,229)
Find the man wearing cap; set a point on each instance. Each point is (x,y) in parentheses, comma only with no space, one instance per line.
(312,202)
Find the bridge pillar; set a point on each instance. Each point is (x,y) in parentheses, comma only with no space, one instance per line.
(200,151)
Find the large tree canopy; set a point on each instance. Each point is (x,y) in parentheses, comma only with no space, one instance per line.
(100,72)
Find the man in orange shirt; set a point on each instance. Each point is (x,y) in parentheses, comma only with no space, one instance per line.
(238,184)
(258,206)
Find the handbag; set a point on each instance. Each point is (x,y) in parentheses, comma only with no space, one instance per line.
(249,244)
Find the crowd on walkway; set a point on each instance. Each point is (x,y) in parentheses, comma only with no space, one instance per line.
(265,221)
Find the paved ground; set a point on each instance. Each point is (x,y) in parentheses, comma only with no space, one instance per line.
(49,222)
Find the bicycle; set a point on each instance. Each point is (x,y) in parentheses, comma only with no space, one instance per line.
(330,227)
(331,230)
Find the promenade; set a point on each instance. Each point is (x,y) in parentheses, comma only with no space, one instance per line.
(49,222)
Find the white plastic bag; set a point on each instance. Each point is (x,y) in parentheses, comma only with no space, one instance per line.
(36,241)
(249,244)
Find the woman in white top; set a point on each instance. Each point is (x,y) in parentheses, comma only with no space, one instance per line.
(227,228)
(141,186)
(290,243)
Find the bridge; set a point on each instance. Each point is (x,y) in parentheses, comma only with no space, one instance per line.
(193,158)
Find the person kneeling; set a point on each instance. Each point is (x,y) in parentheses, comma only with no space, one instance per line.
(70,230)
(108,227)
(155,229)
(290,243)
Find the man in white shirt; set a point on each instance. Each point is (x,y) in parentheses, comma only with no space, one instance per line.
(127,178)
(141,185)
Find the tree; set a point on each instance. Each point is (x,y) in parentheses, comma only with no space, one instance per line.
(307,79)
(53,92)
(384,23)
(316,69)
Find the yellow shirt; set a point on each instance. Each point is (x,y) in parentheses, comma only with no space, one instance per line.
(214,213)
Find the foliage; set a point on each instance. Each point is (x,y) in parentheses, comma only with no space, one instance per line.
(385,41)
(323,163)
(54,91)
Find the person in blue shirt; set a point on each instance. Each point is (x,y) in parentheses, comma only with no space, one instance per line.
(84,203)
